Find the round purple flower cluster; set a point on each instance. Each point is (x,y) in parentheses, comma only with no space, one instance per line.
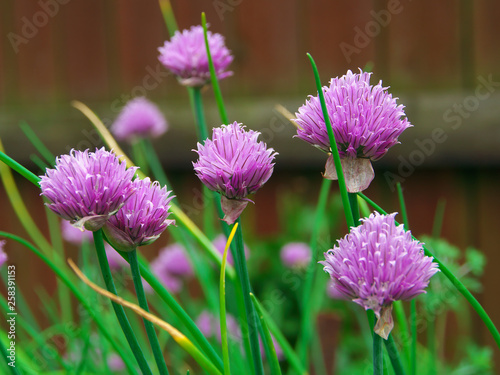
(140,118)
(378,263)
(235,164)
(185,55)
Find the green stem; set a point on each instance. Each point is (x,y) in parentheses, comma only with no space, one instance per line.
(213,76)
(201,125)
(403,326)
(139,155)
(378,356)
(394,357)
(63,292)
(3,350)
(438,218)
(79,296)
(413,344)
(18,203)
(37,143)
(141,297)
(353,201)
(222,308)
(455,281)
(30,176)
(250,318)
(180,313)
(168,16)
(273,360)
(402,205)
(431,345)
(308,318)
(333,145)
(119,310)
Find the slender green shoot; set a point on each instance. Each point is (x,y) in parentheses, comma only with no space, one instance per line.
(308,318)
(60,273)
(222,302)
(168,16)
(250,318)
(37,143)
(213,76)
(143,303)
(119,311)
(273,361)
(333,145)
(378,355)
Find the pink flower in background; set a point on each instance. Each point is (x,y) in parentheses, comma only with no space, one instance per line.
(296,255)
(140,118)
(209,325)
(3,254)
(220,244)
(171,267)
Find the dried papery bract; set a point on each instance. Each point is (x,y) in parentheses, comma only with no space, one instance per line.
(87,188)
(378,263)
(366,122)
(235,164)
(185,56)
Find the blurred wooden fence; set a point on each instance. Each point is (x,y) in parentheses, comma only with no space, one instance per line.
(98,49)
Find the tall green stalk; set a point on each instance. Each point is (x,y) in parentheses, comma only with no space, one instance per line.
(333,146)
(119,310)
(201,125)
(213,75)
(378,356)
(308,317)
(62,274)
(143,303)
(251,317)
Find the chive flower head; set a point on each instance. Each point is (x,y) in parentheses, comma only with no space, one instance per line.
(87,188)
(143,217)
(185,56)
(140,118)
(378,263)
(366,122)
(235,164)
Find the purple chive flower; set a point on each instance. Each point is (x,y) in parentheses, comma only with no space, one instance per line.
(185,56)
(220,245)
(378,263)
(171,266)
(171,283)
(366,122)
(175,261)
(296,255)
(140,118)
(87,188)
(115,362)
(209,325)
(3,255)
(143,217)
(234,164)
